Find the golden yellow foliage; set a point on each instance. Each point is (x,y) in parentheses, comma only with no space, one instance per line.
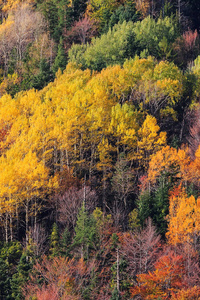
(183,218)
(149,140)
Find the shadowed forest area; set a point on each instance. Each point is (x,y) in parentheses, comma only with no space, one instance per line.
(99,150)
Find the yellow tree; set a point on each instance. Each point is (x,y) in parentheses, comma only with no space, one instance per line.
(183,218)
(124,126)
(149,141)
(168,161)
(8,200)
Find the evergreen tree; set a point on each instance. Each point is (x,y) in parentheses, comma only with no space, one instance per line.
(64,16)
(65,242)
(58,13)
(54,241)
(20,278)
(123,13)
(50,12)
(155,204)
(44,77)
(5,288)
(85,232)
(61,59)
(144,206)
(10,254)
(115,295)
(161,206)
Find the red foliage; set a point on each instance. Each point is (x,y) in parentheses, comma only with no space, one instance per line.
(190,39)
(82,31)
(165,279)
(60,278)
(186,47)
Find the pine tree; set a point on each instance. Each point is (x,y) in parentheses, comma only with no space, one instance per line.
(44,77)
(22,275)
(85,232)
(54,241)
(5,288)
(65,242)
(144,206)
(115,295)
(61,59)
(161,205)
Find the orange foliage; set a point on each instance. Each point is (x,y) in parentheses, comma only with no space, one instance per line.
(187,294)
(63,278)
(184,217)
(143,6)
(168,161)
(163,281)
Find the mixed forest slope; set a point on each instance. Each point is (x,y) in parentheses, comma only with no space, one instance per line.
(99,150)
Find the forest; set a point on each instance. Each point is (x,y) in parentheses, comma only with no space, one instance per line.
(99,150)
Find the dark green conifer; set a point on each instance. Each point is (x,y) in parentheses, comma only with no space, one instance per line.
(85,232)
(54,241)
(61,59)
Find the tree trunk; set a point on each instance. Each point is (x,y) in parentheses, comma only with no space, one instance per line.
(118,270)
(11,228)
(6,228)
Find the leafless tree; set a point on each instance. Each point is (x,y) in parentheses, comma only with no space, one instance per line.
(122,181)
(6,43)
(70,203)
(39,238)
(28,25)
(141,249)
(194,132)
(22,27)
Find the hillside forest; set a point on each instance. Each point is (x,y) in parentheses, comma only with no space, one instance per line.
(99,150)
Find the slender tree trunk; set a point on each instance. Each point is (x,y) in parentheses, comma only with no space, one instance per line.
(61,159)
(35,216)
(6,228)
(179,10)
(104,189)
(17,218)
(55,157)
(27,216)
(91,162)
(82,255)
(67,158)
(11,228)
(84,196)
(118,269)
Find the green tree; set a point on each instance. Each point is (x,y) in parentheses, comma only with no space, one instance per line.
(58,15)
(85,232)
(61,59)
(144,205)
(44,77)
(54,241)
(10,254)
(155,204)
(156,37)
(76,55)
(21,276)
(123,13)
(160,205)
(110,49)
(5,289)
(65,242)
(115,295)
